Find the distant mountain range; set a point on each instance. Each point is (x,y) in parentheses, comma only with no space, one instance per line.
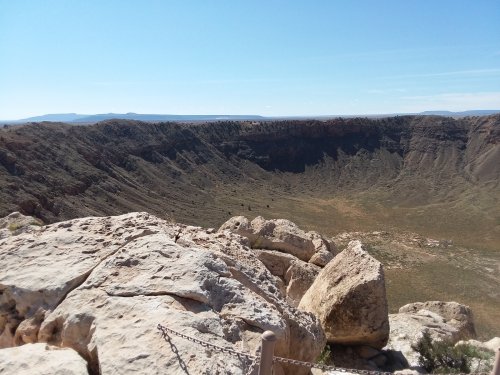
(78,118)
(82,119)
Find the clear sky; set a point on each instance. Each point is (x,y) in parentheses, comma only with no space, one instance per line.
(264,57)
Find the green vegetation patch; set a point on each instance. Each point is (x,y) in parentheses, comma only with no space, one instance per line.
(444,357)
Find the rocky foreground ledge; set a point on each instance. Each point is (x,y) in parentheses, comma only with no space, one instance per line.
(85,296)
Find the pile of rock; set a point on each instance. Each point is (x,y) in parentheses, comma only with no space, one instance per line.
(100,286)
(345,291)
(85,296)
(294,256)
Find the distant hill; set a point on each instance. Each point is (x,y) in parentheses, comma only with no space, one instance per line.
(79,118)
(477,112)
(91,119)
(55,117)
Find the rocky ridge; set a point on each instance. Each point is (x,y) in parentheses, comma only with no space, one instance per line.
(92,290)
(101,285)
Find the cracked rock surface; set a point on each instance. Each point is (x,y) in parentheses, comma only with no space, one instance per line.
(100,286)
(348,296)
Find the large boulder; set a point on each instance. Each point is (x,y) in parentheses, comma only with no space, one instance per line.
(453,313)
(348,296)
(102,285)
(41,359)
(282,235)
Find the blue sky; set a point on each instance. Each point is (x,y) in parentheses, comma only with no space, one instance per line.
(248,57)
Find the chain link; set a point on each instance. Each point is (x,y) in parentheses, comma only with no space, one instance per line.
(165,331)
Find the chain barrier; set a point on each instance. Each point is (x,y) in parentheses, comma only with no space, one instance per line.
(165,330)
(255,358)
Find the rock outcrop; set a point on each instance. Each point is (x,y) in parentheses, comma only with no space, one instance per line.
(284,236)
(348,296)
(291,254)
(101,285)
(448,321)
(17,223)
(453,313)
(41,359)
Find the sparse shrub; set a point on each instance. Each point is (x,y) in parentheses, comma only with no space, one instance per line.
(14,226)
(444,357)
(324,357)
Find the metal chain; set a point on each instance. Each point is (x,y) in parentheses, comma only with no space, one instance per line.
(165,330)
(318,366)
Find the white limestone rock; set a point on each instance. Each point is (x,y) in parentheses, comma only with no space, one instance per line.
(408,326)
(453,313)
(101,285)
(41,359)
(348,296)
(282,235)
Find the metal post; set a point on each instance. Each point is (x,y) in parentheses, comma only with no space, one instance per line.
(496,366)
(267,353)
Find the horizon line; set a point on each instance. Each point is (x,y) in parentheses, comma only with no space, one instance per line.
(83,115)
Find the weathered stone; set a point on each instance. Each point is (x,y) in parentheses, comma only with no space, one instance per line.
(275,261)
(325,250)
(493,344)
(101,285)
(281,235)
(299,278)
(17,223)
(348,296)
(408,327)
(239,225)
(321,258)
(41,359)
(296,275)
(453,313)
(41,267)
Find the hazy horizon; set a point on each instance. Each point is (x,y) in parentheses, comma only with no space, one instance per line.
(264,58)
(78,117)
